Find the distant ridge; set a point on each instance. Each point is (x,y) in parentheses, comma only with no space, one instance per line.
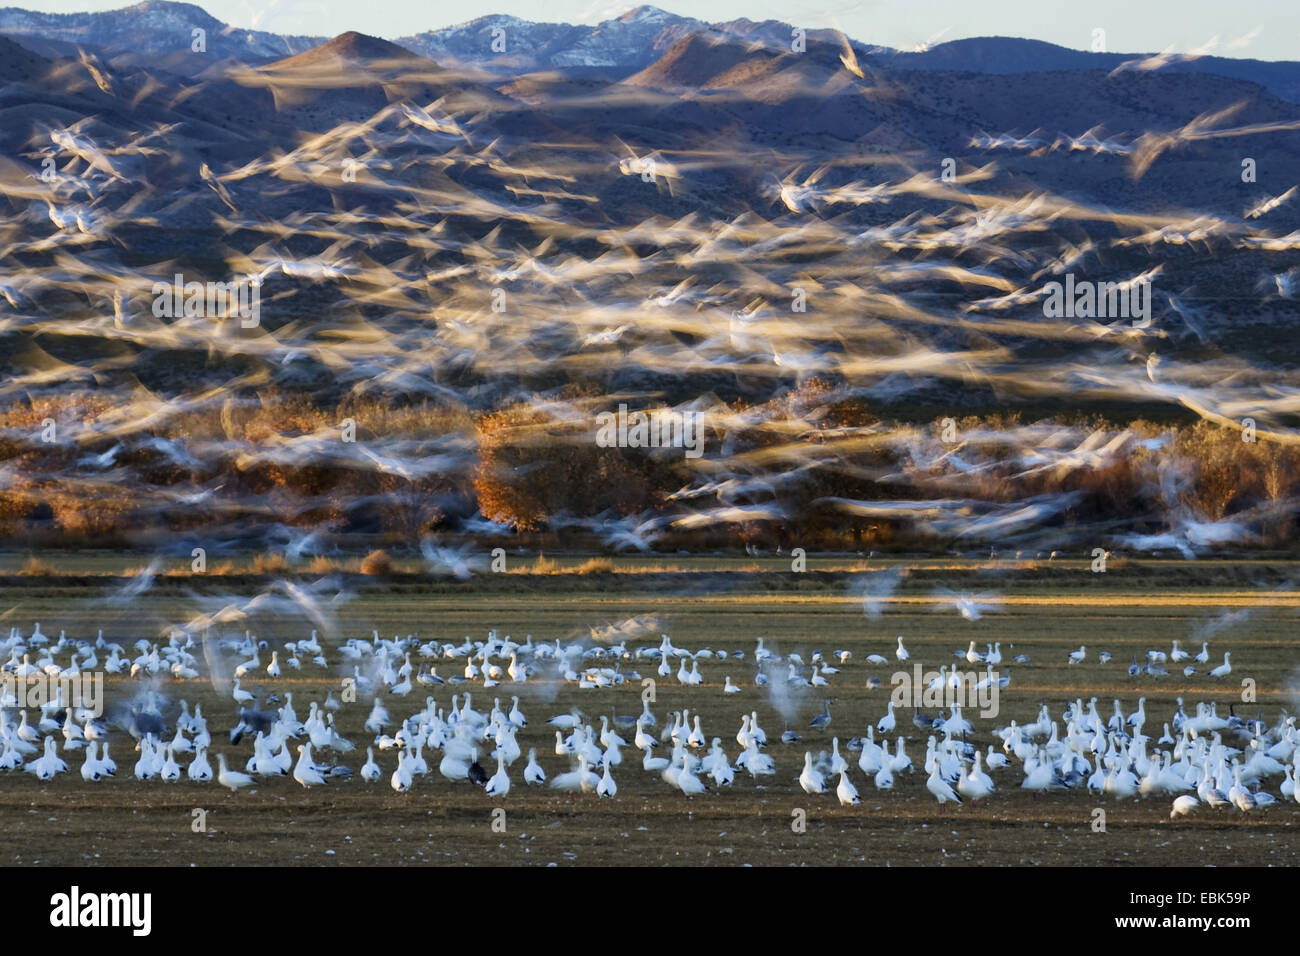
(352,47)
(615,48)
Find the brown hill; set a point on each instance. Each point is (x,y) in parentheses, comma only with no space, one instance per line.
(350,47)
(18,64)
(695,60)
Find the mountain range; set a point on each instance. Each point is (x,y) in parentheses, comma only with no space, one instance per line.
(159,33)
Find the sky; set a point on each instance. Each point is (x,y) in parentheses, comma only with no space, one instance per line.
(1261,29)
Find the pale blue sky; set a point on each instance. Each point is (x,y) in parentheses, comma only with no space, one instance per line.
(1263,29)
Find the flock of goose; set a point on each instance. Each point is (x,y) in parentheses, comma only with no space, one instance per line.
(1199,758)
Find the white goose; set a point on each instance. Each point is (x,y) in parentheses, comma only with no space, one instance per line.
(499,784)
(199,770)
(847,793)
(810,779)
(977,784)
(232,779)
(304,771)
(607,787)
(533,773)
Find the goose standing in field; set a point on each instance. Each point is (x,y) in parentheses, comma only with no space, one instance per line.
(885,775)
(940,788)
(199,770)
(1204,656)
(654,764)
(900,651)
(838,763)
(106,764)
(533,773)
(887,723)
(689,784)
(240,695)
(499,784)
(810,779)
(1238,795)
(995,760)
(90,768)
(1077,657)
(1183,805)
(871,757)
(575,780)
(901,762)
(822,720)
(847,793)
(232,779)
(304,770)
(977,784)
(171,770)
(607,787)
(1224,669)
(403,776)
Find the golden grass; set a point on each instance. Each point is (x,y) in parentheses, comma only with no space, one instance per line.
(271,564)
(35,567)
(544,565)
(377,562)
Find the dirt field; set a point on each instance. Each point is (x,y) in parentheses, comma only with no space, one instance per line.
(123,821)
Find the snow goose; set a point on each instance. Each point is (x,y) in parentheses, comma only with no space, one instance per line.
(1039,776)
(838,763)
(1183,805)
(1224,669)
(232,779)
(870,759)
(533,773)
(887,723)
(690,784)
(696,738)
(90,768)
(607,787)
(499,784)
(171,770)
(642,740)
(455,768)
(977,784)
(106,764)
(811,780)
(305,771)
(401,778)
(847,793)
(199,770)
(901,762)
(901,652)
(240,695)
(575,780)
(1238,795)
(995,760)
(939,787)
(652,763)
